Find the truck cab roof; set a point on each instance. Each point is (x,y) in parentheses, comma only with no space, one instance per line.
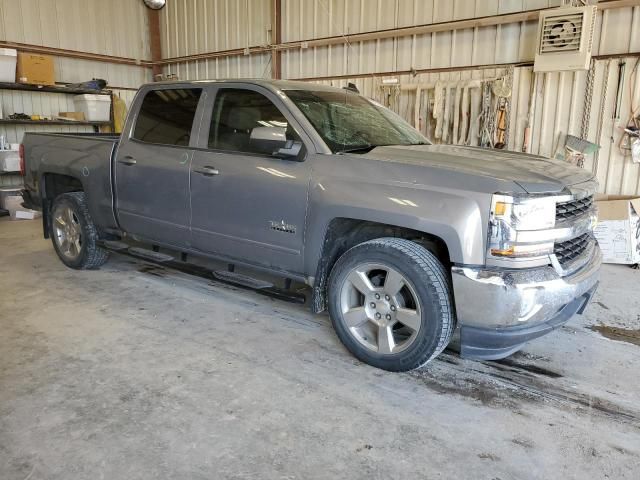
(274,85)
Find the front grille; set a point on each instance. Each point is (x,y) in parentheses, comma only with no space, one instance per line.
(570,249)
(573,208)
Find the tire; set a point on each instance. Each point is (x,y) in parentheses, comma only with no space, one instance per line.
(400,319)
(70,218)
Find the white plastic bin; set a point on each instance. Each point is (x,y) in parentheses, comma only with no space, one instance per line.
(8,59)
(9,161)
(96,108)
(10,198)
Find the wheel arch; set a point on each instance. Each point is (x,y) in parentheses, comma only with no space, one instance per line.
(53,184)
(343,233)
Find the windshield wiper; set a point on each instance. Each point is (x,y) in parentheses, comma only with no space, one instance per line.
(361,148)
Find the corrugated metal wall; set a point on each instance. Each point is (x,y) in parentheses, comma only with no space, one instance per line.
(113,27)
(196,26)
(508,43)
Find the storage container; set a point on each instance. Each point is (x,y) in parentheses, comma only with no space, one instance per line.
(24,214)
(8,59)
(9,161)
(10,198)
(618,229)
(96,108)
(35,69)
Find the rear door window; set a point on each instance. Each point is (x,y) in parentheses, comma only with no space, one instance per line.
(166,116)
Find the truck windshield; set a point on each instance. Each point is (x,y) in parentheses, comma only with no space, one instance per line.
(349,122)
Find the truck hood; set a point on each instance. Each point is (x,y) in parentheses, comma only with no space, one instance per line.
(535,174)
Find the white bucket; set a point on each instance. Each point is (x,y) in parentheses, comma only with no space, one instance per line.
(8,58)
(96,108)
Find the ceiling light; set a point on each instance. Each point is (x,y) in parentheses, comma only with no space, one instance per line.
(155,4)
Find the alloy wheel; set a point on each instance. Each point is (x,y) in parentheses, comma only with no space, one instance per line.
(67,231)
(380,308)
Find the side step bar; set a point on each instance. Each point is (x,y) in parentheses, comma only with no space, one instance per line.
(228,277)
(149,254)
(260,286)
(115,245)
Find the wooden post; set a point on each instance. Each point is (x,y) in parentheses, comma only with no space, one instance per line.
(155,44)
(276,38)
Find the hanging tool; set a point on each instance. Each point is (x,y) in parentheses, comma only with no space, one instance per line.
(487,118)
(438,108)
(456,114)
(502,90)
(447,114)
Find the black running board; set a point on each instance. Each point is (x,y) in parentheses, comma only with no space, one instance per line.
(223,276)
(149,255)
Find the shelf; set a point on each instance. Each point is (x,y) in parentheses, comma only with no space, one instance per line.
(51,89)
(49,122)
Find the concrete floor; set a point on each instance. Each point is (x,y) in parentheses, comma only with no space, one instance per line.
(131,372)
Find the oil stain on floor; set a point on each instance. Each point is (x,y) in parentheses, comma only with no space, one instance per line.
(617,333)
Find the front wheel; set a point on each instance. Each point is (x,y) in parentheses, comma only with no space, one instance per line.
(73,233)
(390,303)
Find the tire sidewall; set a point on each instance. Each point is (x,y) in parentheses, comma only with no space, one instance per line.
(78,262)
(431,325)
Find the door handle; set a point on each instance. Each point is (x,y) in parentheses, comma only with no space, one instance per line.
(128,160)
(207,171)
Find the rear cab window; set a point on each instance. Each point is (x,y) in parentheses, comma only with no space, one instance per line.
(166,116)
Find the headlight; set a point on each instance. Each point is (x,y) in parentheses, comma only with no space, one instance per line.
(510,215)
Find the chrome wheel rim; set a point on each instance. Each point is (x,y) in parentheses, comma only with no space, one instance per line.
(67,232)
(380,308)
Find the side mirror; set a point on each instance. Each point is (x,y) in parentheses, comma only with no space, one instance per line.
(273,141)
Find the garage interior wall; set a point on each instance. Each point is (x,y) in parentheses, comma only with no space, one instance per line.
(114,27)
(551,104)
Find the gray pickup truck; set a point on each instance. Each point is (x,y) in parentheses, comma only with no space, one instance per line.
(401,240)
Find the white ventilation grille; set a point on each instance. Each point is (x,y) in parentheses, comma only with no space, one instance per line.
(561,33)
(565,37)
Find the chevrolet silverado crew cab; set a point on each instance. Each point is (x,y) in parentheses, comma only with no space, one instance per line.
(401,240)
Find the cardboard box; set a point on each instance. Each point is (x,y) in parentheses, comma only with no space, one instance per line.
(618,229)
(77,116)
(35,69)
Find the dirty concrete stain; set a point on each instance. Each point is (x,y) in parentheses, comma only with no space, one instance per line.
(152,270)
(527,367)
(364,447)
(489,456)
(501,386)
(523,442)
(617,333)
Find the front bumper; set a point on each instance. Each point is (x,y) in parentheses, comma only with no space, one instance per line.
(499,310)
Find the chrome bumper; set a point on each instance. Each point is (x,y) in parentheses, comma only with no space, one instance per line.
(496,303)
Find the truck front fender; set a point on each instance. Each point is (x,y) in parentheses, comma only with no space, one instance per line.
(460,220)
(432,214)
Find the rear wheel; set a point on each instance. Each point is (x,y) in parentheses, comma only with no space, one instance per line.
(390,303)
(73,233)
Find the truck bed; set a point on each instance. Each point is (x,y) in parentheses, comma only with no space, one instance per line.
(50,158)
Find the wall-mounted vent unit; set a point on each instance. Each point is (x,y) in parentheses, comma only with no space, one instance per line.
(565,38)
